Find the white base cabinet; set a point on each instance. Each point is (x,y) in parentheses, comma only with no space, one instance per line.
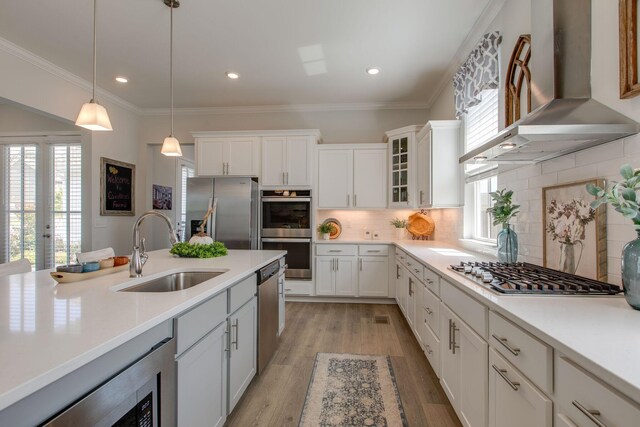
(202,374)
(242,350)
(373,276)
(336,276)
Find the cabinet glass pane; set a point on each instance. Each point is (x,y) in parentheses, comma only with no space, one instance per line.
(403,178)
(396,195)
(396,178)
(396,146)
(404,196)
(396,166)
(404,142)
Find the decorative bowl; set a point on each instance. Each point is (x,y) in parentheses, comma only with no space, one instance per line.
(69,268)
(106,263)
(120,260)
(90,266)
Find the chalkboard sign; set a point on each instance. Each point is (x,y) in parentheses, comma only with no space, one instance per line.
(117,187)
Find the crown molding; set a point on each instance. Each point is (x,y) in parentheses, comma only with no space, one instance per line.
(25,55)
(487,16)
(293,108)
(286,132)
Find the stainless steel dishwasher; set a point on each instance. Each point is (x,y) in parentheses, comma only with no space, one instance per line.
(267,313)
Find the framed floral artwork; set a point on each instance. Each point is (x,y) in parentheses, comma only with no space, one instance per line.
(574,238)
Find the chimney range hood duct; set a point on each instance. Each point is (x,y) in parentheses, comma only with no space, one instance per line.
(564,117)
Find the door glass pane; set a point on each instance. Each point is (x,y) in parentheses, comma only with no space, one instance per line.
(19,229)
(396,195)
(395,146)
(404,142)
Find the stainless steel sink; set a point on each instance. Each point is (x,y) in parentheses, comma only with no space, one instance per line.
(174,282)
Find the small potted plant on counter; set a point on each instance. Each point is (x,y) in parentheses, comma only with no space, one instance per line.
(502,211)
(623,196)
(400,225)
(326,229)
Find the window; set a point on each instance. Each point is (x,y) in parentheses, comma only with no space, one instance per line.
(41,215)
(186,171)
(481,124)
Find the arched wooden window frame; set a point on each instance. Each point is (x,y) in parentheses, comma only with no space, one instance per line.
(520,58)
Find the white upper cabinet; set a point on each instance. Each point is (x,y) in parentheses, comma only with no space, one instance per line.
(352,177)
(439,175)
(402,166)
(286,159)
(233,156)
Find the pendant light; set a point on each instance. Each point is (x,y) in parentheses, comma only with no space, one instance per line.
(171,145)
(93,116)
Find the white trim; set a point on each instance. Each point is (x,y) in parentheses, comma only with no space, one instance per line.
(293,108)
(290,132)
(27,56)
(481,25)
(342,300)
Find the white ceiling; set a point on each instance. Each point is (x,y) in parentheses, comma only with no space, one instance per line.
(277,46)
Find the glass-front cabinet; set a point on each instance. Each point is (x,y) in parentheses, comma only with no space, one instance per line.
(402,166)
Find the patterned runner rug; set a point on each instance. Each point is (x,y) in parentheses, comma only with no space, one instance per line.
(352,390)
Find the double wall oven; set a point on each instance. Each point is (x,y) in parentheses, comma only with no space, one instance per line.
(286,225)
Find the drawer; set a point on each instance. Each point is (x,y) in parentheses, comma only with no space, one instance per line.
(431,305)
(335,250)
(402,256)
(577,393)
(242,292)
(469,310)
(432,349)
(514,400)
(373,250)
(298,287)
(415,267)
(531,356)
(199,321)
(432,280)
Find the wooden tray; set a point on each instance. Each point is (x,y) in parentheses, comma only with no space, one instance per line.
(63,277)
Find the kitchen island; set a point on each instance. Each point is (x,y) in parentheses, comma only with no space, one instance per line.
(50,330)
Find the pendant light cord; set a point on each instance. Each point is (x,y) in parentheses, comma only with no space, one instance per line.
(95,3)
(171,65)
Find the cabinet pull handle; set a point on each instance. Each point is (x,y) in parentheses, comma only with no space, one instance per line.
(421,196)
(373,252)
(335,250)
(503,341)
(283,182)
(355,200)
(227,339)
(227,168)
(503,374)
(235,325)
(589,413)
(286,174)
(337,264)
(348,200)
(410,286)
(397,271)
(454,345)
(360,261)
(416,270)
(429,311)
(450,324)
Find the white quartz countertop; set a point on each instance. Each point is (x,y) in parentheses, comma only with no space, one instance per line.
(48,330)
(602,334)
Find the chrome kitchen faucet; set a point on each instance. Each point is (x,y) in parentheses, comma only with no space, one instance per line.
(139,256)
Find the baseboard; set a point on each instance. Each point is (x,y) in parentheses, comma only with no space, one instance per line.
(345,300)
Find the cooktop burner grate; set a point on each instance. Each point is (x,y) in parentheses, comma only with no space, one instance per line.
(524,278)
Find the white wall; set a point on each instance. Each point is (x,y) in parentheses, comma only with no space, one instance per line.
(600,162)
(24,80)
(17,119)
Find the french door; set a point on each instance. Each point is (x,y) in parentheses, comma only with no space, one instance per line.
(41,200)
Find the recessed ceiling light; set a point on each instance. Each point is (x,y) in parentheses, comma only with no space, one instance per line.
(507,145)
(373,71)
(121,79)
(232,75)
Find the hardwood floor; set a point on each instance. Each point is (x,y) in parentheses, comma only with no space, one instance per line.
(275,398)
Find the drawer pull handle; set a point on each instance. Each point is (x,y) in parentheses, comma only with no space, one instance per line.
(589,413)
(503,374)
(288,290)
(335,250)
(373,252)
(503,341)
(429,311)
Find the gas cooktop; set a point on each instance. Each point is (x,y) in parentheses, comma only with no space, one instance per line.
(522,278)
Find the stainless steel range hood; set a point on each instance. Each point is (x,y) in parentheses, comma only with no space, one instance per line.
(565,118)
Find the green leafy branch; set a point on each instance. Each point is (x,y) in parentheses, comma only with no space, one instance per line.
(398,223)
(623,195)
(503,209)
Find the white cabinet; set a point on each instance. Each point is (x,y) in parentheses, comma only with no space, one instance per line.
(242,350)
(373,276)
(286,161)
(513,399)
(233,156)
(336,276)
(202,381)
(402,166)
(439,176)
(352,177)
(463,368)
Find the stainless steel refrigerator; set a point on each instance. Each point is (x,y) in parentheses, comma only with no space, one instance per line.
(235,220)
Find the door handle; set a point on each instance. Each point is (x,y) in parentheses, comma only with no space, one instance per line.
(348,200)
(503,341)
(397,271)
(503,374)
(410,286)
(454,345)
(450,324)
(589,413)
(355,200)
(235,325)
(227,339)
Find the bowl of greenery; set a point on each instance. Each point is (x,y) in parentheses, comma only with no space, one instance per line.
(188,250)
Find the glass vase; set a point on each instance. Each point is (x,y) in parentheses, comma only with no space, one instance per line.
(507,240)
(631,272)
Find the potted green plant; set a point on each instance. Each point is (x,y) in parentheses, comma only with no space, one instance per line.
(623,196)
(400,225)
(326,230)
(502,211)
